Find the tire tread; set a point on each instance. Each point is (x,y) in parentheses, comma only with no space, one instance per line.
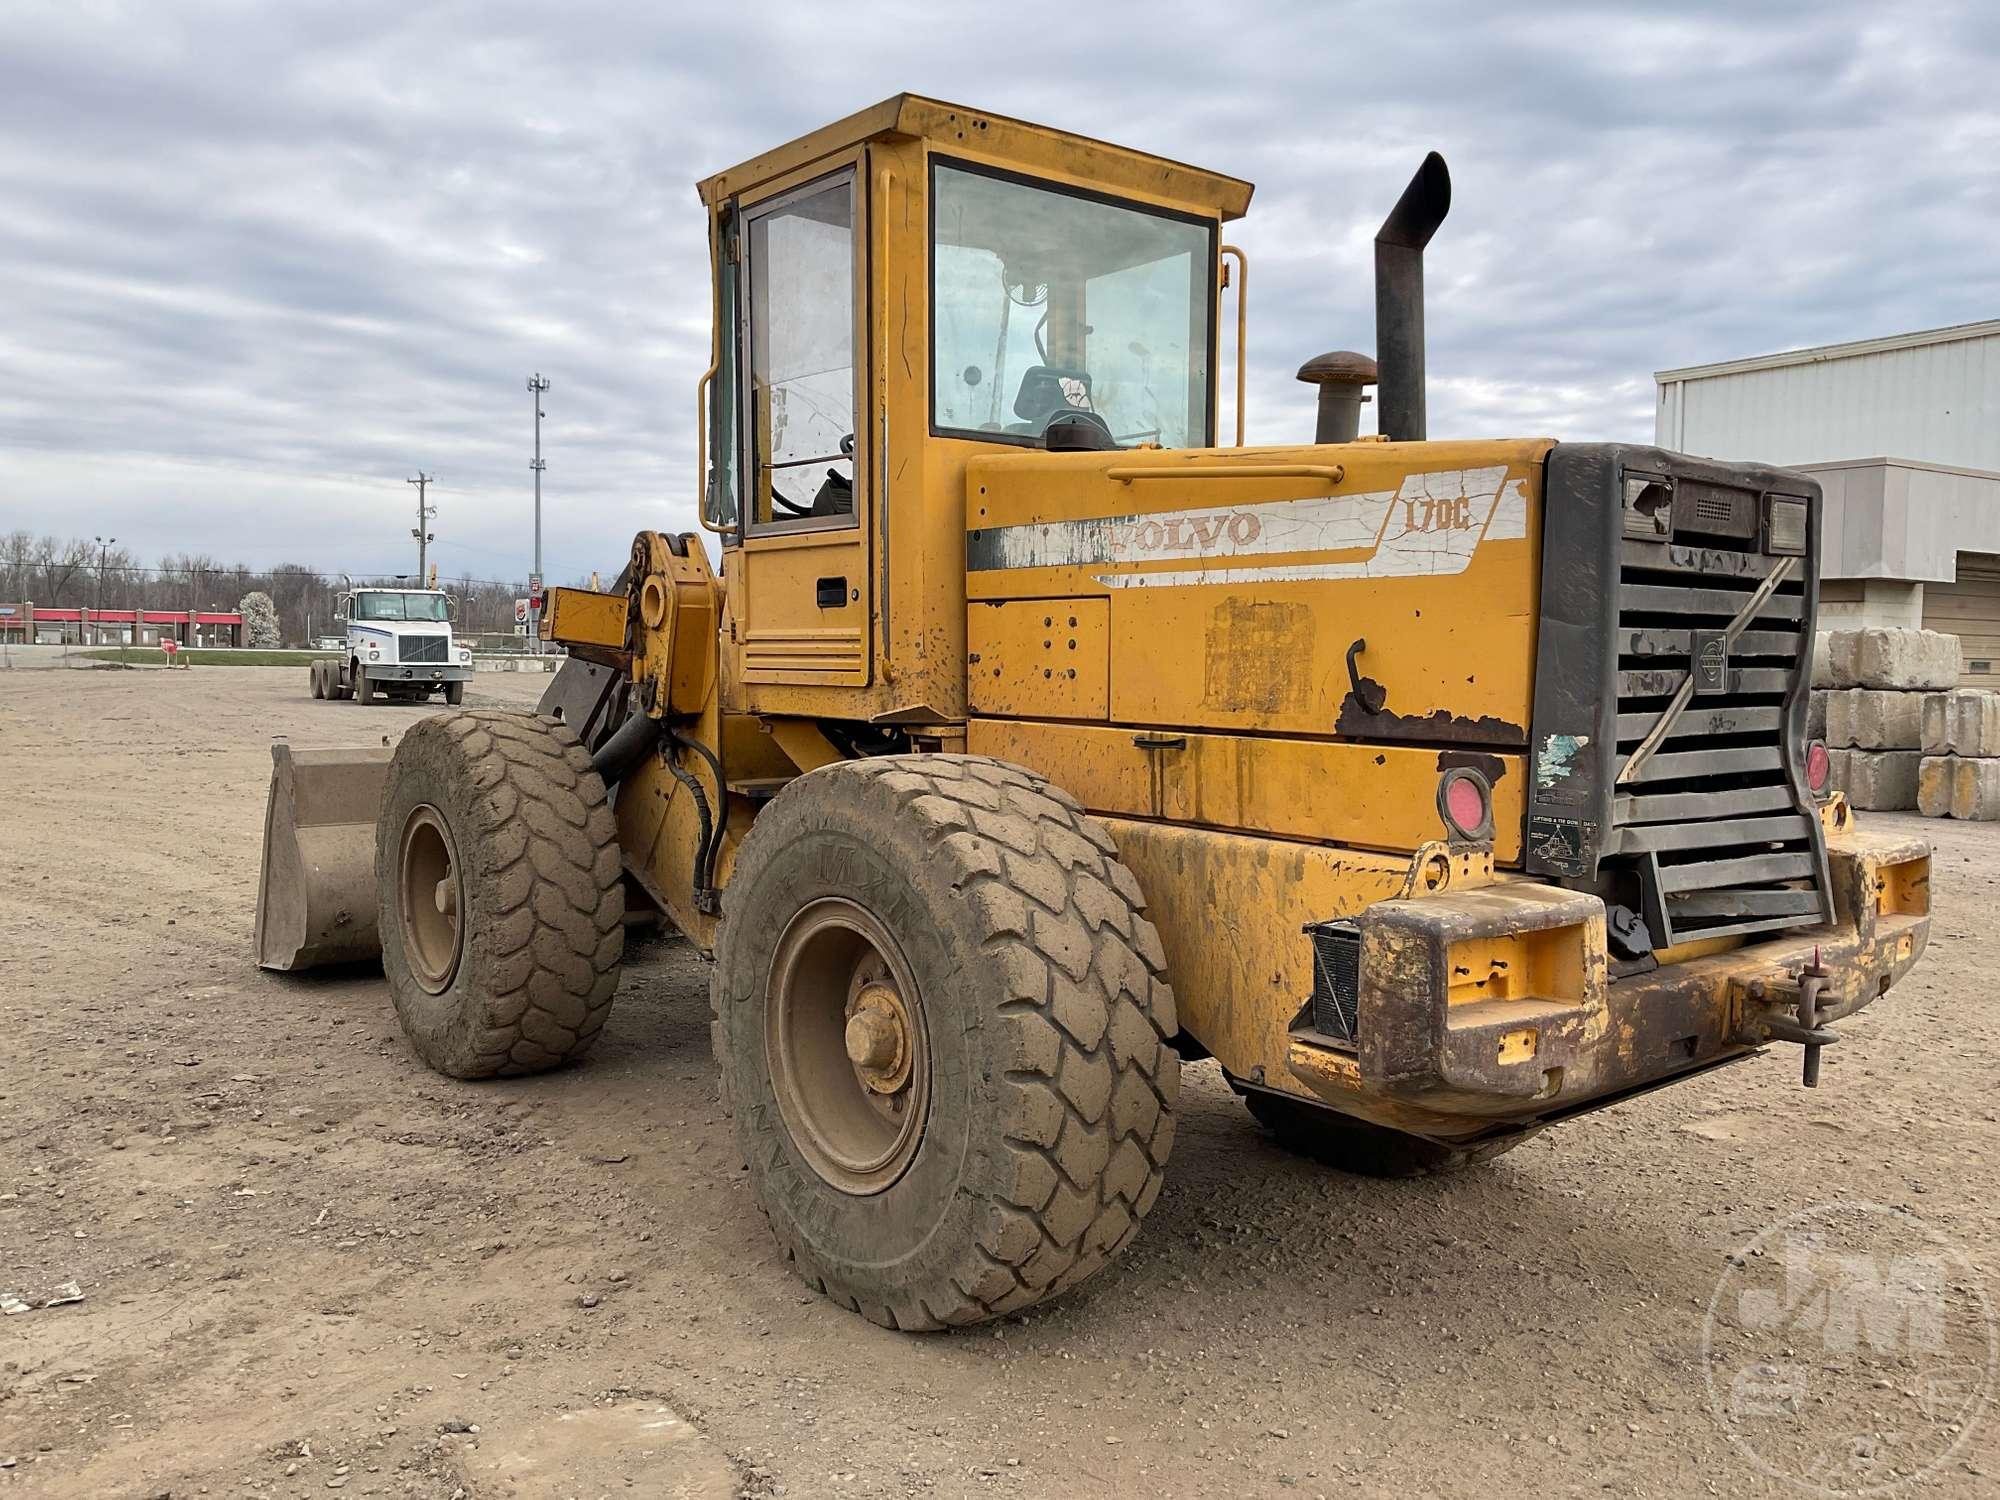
(1065,924)
(554,935)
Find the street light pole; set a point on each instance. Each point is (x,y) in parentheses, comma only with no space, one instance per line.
(423,533)
(104,546)
(537,384)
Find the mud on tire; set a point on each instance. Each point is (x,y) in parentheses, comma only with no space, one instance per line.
(1051,1108)
(541,905)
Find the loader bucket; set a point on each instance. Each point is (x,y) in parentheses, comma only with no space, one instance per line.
(316,899)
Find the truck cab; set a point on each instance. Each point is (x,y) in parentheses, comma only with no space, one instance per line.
(399,644)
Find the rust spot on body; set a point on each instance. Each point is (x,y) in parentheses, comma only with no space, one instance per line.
(1440,726)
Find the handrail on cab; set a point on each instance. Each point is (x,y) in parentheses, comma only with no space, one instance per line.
(1242,327)
(1331,473)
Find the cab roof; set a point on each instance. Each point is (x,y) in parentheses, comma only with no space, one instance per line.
(995,138)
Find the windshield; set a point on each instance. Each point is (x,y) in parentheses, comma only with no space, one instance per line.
(380,605)
(1047,304)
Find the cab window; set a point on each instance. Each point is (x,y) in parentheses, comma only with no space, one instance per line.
(719,497)
(1051,305)
(800,380)
(376,604)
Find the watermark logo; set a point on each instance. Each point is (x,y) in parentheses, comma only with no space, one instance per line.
(1850,1349)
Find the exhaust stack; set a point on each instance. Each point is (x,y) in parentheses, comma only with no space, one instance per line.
(1399,298)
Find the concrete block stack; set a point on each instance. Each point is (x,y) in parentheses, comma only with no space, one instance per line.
(1959,776)
(1870,692)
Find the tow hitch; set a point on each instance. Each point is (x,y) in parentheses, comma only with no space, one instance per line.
(1787,1009)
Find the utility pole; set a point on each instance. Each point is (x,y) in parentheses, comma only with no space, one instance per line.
(536,386)
(423,533)
(104,546)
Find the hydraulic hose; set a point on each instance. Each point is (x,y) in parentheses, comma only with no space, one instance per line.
(704,897)
(628,745)
(704,875)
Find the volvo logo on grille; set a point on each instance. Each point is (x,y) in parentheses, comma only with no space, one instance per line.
(1711,661)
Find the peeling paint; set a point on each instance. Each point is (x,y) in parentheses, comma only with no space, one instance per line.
(1438,726)
(1557,760)
(1258,657)
(1429,526)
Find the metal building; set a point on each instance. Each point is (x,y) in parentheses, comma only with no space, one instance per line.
(1903,434)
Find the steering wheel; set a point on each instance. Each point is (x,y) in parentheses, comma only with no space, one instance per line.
(846,452)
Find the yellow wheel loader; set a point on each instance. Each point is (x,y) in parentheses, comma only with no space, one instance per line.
(1031,741)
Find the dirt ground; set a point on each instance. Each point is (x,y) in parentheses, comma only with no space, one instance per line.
(308,1265)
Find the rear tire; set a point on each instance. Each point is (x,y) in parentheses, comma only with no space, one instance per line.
(1367,1150)
(454,693)
(1024,985)
(316,680)
(499,893)
(364,687)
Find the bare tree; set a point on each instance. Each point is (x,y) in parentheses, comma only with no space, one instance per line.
(17,555)
(124,581)
(58,562)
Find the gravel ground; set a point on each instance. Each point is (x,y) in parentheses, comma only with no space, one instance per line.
(306,1264)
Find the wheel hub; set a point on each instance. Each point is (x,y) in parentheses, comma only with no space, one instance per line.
(428,884)
(847,1046)
(878,1038)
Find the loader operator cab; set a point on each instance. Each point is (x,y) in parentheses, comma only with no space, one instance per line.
(899,295)
(1059,318)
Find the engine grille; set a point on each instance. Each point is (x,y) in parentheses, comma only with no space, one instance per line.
(426,648)
(1710,819)
(1669,596)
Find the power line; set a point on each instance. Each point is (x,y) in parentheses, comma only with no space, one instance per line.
(230,570)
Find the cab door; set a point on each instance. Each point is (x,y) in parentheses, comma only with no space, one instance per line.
(801,611)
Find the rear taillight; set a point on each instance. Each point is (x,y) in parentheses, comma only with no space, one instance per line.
(1465,802)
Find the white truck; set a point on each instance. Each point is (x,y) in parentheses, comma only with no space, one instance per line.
(398,645)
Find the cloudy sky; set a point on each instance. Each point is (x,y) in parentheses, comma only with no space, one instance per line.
(262,261)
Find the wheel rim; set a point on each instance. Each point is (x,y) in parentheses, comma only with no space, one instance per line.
(432,898)
(848,1046)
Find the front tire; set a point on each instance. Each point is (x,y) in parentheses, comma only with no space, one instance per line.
(954,933)
(364,687)
(1368,1150)
(498,893)
(316,680)
(454,693)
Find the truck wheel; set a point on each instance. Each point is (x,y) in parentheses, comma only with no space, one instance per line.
(1368,1150)
(498,892)
(454,693)
(941,1020)
(364,687)
(316,680)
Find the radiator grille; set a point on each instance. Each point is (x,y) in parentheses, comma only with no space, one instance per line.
(1336,977)
(427,648)
(1710,820)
